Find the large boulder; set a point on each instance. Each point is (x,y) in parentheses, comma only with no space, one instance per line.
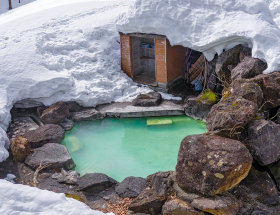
(67,124)
(73,106)
(56,156)
(40,109)
(231,115)
(49,133)
(200,106)
(179,207)
(263,138)
(20,148)
(278,116)
(218,205)
(131,187)
(147,202)
(247,89)
(183,195)
(67,177)
(161,183)
(211,165)
(147,100)
(95,182)
(226,59)
(21,125)
(244,53)
(55,114)
(275,171)
(248,68)
(86,115)
(259,186)
(270,85)
(258,194)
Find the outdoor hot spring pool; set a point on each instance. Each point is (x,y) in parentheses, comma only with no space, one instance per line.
(129,147)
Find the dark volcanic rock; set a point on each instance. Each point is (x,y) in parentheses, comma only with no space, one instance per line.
(95,182)
(49,133)
(181,194)
(244,53)
(70,177)
(248,90)
(179,207)
(56,113)
(226,59)
(40,110)
(73,106)
(248,68)
(231,114)
(147,100)
(211,165)
(278,116)
(270,85)
(131,187)
(260,187)
(67,124)
(21,125)
(86,115)
(263,137)
(275,171)
(161,183)
(103,199)
(147,202)
(200,106)
(56,155)
(217,205)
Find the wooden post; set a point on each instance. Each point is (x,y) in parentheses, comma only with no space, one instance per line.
(10,5)
(126,55)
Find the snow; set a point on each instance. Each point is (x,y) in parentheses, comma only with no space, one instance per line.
(10,178)
(169,97)
(17,199)
(210,26)
(15,4)
(67,50)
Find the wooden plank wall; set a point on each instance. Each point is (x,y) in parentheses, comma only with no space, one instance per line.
(176,58)
(160,53)
(197,69)
(126,55)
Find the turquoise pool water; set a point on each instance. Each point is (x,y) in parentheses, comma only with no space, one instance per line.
(129,147)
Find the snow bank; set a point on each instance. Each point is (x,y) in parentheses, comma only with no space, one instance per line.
(22,199)
(61,50)
(210,26)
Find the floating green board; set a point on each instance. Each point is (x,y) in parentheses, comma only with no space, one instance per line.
(159,121)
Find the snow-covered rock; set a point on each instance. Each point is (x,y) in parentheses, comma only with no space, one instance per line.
(210,26)
(22,199)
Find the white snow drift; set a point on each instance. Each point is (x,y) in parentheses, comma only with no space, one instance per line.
(210,26)
(19,199)
(52,50)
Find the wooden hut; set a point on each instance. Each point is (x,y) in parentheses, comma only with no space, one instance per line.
(159,65)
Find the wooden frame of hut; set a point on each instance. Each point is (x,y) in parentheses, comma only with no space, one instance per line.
(161,66)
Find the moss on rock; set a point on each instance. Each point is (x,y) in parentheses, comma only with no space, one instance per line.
(209,97)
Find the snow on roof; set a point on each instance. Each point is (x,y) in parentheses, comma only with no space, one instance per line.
(210,26)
